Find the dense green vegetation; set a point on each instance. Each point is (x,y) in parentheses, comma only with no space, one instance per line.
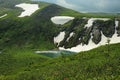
(21,37)
(98,64)
(35,31)
(29,32)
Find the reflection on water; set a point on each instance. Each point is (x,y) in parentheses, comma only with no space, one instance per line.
(54,53)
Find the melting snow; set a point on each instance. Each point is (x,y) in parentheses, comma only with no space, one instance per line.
(115,38)
(91,20)
(61,19)
(29,9)
(3,15)
(59,38)
(91,45)
(71,34)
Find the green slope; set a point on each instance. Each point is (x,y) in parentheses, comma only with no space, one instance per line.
(21,37)
(98,64)
(29,32)
(7,6)
(14,61)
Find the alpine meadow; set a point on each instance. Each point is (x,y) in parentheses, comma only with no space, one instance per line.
(59,40)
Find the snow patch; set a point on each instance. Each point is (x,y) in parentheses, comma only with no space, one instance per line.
(71,34)
(91,45)
(61,19)
(59,38)
(29,9)
(91,20)
(3,15)
(115,38)
(116,23)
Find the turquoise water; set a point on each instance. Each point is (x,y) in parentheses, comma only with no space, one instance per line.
(55,53)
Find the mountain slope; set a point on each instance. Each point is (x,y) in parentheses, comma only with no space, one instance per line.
(88,33)
(33,31)
(21,37)
(36,30)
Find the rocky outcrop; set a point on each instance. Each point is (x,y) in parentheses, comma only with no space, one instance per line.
(96,33)
(83,35)
(86,35)
(118,28)
(107,27)
(77,26)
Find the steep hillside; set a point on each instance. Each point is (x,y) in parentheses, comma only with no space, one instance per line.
(28,27)
(8,6)
(38,31)
(100,64)
(86,33)
(29,32)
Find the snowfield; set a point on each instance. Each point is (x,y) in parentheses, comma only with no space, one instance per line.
(71,34)
(115,38)
(3,15)
(91,45)
(29,9)
(61,19)
(59,38)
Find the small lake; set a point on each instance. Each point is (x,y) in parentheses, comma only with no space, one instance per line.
(54,53)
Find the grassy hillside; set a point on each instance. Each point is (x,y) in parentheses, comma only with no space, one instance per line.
(29,32)
(98,64)
(21,37)
(25,32)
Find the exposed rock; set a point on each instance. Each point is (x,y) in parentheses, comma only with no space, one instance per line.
(77,26)
(96,33)
(87,35)
(107,27)
(118,28)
